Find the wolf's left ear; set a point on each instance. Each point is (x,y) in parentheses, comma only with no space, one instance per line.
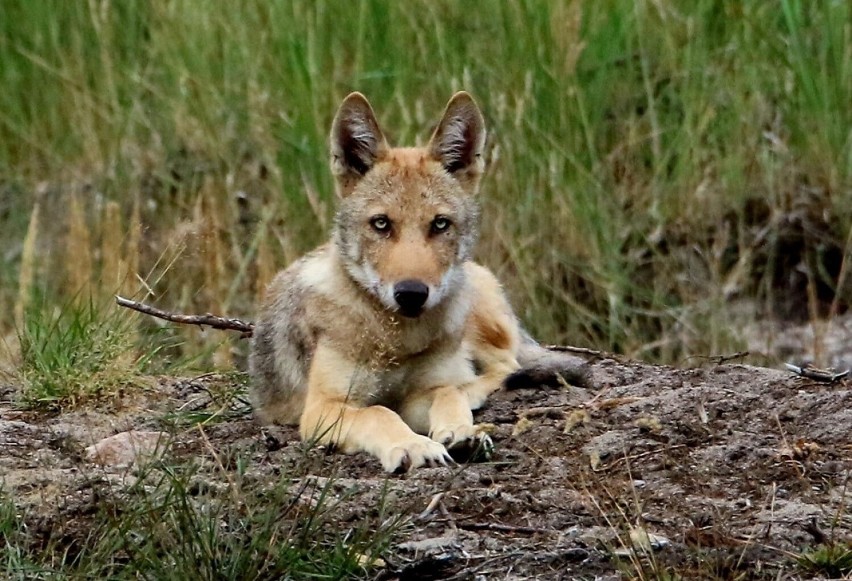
(460,138)
(357,142)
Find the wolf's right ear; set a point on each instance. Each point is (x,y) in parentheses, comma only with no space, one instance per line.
(357,142)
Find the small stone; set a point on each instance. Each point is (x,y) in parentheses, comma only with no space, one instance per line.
(430,545)
(642,540)
(127,448)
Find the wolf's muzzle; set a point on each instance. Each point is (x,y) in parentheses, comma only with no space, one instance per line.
(410,295)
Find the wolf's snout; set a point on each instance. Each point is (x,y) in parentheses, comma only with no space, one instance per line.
(410,295)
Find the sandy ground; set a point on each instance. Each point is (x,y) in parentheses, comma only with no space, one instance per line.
(725,470)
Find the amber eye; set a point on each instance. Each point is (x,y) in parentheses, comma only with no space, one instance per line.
(381,224)
(440,224)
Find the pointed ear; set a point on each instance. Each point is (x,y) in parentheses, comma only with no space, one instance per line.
(356,140)
(460,138)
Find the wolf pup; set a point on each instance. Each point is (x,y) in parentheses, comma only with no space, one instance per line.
(384,339)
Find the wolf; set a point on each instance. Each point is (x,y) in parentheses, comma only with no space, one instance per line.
(385,339)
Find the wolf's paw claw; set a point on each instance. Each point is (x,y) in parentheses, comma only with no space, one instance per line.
(466,443)
(478,449)
(419,451)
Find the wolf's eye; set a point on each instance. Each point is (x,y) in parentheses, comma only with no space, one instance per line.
(440,224)
(380,224)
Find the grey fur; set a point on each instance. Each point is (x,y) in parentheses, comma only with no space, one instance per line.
(541,366)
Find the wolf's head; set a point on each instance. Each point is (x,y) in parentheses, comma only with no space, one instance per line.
(408,217)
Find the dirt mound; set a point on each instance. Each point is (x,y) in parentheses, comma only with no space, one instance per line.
(724,472)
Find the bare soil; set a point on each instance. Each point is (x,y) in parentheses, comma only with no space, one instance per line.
(728,471)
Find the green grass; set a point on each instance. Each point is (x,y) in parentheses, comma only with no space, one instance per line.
(226,401)
(168,525)
(75,353)
(650,162)
(834,560)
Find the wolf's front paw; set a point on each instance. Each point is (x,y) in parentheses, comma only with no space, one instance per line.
(465,442)
(416,452)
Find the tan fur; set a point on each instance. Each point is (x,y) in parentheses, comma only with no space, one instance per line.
(335,349)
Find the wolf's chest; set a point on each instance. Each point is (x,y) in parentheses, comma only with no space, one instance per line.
(386,386)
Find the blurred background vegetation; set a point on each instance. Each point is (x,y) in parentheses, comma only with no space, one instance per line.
(662,173)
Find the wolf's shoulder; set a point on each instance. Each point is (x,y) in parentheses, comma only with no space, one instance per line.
(314,271)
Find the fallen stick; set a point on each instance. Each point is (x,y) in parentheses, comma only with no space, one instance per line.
(208,320)
(493,526)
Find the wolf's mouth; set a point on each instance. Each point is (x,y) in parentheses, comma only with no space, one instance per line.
(411,313)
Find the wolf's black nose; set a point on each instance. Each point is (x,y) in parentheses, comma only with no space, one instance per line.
(410,295)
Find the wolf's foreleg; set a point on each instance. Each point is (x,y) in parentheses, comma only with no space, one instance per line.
(331,417)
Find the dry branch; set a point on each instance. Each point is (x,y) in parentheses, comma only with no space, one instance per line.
(208,320)
(493,526)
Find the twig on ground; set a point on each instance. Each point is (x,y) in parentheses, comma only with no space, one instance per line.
(579,350)
(598,396)
(719,359)
(431,506)
(493,526)
(554,412)
(812,528)
(618,461)
(531,450)
(234,486)
(817,374)
(448,516)
(611,403)
(468,572)
(245,328)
